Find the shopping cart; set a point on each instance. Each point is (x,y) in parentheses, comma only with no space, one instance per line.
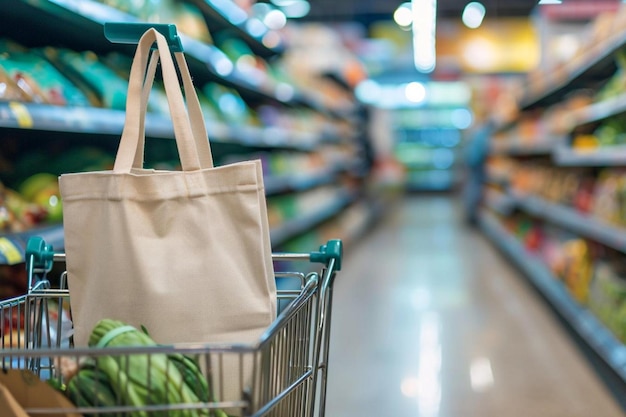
(288,363)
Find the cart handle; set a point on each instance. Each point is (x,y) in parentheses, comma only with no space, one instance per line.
(40,255)
(130,33)
(333,249)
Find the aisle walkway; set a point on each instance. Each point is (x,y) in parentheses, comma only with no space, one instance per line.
(430,321)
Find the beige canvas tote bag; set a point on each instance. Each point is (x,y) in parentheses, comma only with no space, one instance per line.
(185,253)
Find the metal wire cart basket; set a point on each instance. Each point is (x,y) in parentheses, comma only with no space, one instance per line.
(283,374)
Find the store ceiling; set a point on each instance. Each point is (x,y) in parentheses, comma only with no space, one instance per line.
(368,11)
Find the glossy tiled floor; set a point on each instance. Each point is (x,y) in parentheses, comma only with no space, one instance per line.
(430,321)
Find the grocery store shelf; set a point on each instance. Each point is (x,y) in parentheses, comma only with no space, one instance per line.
(13,245)
(227,15)
(282,184)
(600,110)
(529,149)
(498,180)
(291,229)
(587,71)
(583,322)
(78,23)
(574,221)
(500,202)
(98,121)
(39,23)
(599,157)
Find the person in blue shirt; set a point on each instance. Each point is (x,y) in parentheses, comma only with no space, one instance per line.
(476,154)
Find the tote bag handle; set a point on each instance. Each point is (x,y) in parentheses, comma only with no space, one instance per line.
(189,129)
(195,112)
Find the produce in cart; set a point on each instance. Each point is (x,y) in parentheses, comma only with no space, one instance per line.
(137,380)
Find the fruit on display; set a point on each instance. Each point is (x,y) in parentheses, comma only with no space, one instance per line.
(611,132)
(617,83)
(16,213)
(43,190)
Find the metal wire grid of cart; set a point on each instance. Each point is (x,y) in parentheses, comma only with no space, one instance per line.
(283,374)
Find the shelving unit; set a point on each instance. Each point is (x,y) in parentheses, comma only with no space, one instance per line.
(589,70)
(559,215)
(227,16)
(554,154)
(291,229)
(61,20)
(584,323)
(545,148)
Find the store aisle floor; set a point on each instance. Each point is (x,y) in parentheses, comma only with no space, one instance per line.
(430,321)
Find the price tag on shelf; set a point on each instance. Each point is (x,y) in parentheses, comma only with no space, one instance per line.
(23,117)
(10,252)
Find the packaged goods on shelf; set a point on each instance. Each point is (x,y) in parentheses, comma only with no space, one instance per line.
(559,210)
(38,80)
(229,105)
(607,296)
(18,214)
(187,18)
(609,203)
(253,67)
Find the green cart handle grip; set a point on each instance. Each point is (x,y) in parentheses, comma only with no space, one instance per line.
(39,253)
(130,33)
(333,249)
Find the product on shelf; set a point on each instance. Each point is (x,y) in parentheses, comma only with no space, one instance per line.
(610,132)
(141,9)
(43,190)
(578,269)
(253,67)
(18,214)
(106,79)
(609,202)
(229,104)
(568,209)
(9,90)
(617,83)
(607,296)
(38,80)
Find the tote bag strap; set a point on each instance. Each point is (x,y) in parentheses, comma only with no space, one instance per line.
(195,112)
(194,151)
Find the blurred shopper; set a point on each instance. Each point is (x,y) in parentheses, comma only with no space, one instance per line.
(476,153)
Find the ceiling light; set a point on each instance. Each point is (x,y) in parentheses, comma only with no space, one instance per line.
(473,14)
(424,25)
(403,15)
(550,1)
(275,19)
(415,92)
(294,8)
